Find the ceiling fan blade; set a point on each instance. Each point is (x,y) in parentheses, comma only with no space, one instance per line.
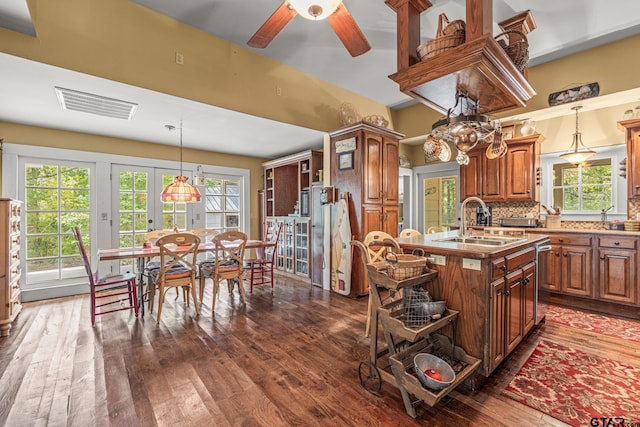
(272,26)
(348,31)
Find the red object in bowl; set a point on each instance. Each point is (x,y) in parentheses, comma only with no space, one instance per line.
(433,374)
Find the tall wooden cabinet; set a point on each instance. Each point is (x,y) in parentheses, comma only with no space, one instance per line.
(365,163)
(631,128)
(515,177)
(10,268)
(289,181)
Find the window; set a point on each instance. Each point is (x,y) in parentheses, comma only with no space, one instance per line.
(584,187)
(222,204)
(57,198)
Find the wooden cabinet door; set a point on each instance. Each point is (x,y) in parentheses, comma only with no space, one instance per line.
(497,322)
(529,298)
(514,298)
(391,171)
(576,270)
(493,185)
(471,176)
(373,168)
(633,164)
(617,273)
(554,274)
(390,217)
(371,219)
(520,179)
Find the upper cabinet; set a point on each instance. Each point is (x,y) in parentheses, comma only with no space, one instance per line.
(512,178)
(287,180)
(631,128)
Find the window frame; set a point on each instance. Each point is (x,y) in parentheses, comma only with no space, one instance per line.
(101,211)
(619,186)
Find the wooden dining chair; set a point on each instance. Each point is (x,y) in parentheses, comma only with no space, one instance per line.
(107,292)
(226,265)
(410,232)
(378,244)
(434,229)
(178,267)
(262,266)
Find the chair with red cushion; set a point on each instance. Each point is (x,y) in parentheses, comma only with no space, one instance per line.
(262,266)
(107,292)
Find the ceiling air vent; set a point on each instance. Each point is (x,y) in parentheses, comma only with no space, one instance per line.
(95,104)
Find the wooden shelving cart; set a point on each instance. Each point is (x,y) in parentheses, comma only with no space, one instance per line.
(394,362)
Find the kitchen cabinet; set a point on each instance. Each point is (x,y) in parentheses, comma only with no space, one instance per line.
(631,128)
(10,265)
(483,177)
(570,265)
(515,177)
(287,181)
(617,269)
(370,175)
(513,303)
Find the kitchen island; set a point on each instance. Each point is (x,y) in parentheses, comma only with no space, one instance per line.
(493,286)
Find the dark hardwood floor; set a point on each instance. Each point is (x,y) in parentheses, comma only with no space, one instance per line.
(286,358)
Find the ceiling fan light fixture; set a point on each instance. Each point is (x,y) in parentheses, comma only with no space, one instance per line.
(315,10)
(577,155)
(180,191)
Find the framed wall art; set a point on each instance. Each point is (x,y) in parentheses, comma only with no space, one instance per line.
(508,132)
(345,161)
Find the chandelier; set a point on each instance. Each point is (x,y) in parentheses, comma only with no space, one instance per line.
(315,9)
(464,131)
(180,190)
(576,155)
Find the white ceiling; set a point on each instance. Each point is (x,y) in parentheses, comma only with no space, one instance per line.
(564,27)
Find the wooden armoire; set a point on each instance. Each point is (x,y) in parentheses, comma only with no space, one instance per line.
(365,164)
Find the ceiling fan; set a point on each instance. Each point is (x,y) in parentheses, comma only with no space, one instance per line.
(339,18)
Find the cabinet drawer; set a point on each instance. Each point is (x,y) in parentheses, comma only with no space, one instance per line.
(520,258)
(617,242)
(14,289)
(498,268)
(565,239)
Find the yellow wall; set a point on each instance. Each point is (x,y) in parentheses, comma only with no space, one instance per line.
(122,41)
(31,135)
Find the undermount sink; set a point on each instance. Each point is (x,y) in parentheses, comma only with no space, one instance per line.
(482,240)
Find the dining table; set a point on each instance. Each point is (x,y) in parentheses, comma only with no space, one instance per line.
(142,254)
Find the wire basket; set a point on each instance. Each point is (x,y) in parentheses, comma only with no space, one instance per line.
(414,300)
(404,266)
(447,37)
(517,49)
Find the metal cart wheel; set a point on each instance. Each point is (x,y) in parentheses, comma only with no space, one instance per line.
(370,378)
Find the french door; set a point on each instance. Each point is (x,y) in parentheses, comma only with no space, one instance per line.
(137,206)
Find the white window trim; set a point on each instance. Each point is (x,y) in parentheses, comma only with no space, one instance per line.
(101,231)
(619,194)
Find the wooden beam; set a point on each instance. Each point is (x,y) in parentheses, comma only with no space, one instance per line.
(408,29)
(479,19)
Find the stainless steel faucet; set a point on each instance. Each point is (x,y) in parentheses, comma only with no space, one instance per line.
(463,221)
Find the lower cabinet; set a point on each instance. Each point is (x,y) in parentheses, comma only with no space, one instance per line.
(570,265)
(513,301)
(380,218)
(617,268)
(292,254)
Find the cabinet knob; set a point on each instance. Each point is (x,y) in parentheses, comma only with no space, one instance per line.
(616,243)
(525,281)
(560,240)
(557,254)
(565,255)
(507,293)
(503,268)
(602,258)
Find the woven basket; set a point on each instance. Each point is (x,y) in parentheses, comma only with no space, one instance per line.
(517,49)
(404,266)
(447,37)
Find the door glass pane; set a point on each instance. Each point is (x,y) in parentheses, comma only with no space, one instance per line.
(132,209)
(440,202)
(57,199)
(222,203)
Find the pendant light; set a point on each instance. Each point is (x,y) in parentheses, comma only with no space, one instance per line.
(576,155)
(180,190)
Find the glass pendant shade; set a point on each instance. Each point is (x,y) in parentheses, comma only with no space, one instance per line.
(577,155)
(315,9)
(180,190)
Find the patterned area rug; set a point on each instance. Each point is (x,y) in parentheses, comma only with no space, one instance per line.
(624,329)
(574,386)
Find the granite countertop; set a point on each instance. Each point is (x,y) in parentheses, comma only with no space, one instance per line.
(433,243)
